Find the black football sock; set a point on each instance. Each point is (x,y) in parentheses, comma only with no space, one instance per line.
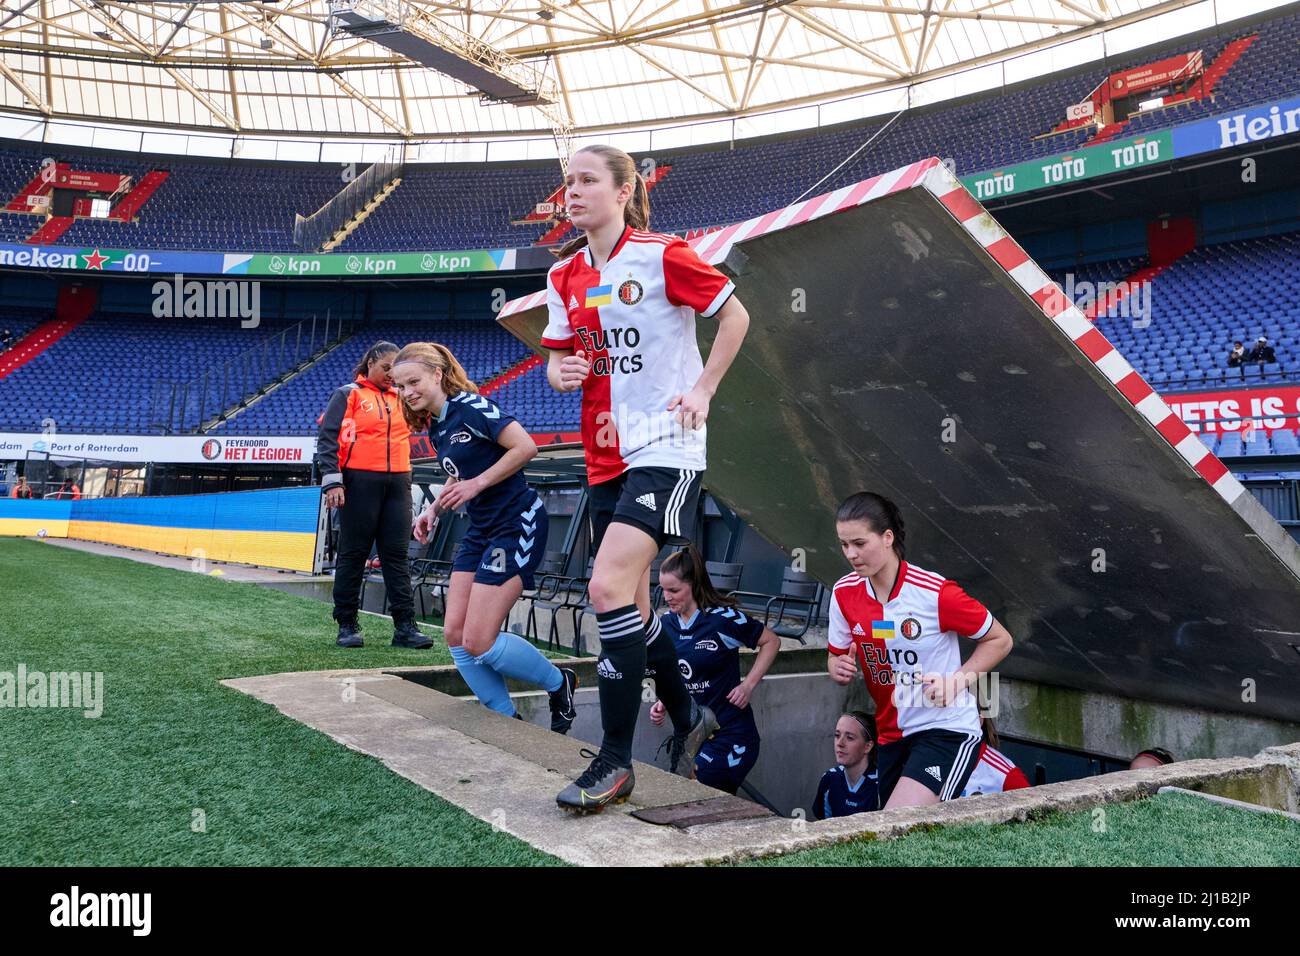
(619,672)
(661,657)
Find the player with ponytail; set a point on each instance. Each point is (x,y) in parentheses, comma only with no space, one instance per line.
(622,303)
(708,630)
(483,450)
(901,624)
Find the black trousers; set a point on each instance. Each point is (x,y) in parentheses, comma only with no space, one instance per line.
(376,510)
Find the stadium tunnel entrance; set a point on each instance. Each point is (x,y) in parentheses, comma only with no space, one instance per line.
(1051,733)
(1030,462)
(1152,597)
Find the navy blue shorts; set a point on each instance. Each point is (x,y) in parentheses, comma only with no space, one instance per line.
(516,548)
(724,764)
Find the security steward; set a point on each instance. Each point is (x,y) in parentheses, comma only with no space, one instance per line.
(363,453)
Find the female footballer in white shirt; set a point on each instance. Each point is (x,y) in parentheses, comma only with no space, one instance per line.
(901,623)
(622,303)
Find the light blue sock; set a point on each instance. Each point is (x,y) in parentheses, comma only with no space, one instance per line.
(512,656)
(488,686)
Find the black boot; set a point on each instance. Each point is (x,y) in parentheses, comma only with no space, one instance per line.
(406,634)
(350,633)
(563,711)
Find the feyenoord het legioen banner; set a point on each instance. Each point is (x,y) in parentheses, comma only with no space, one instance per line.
(214,449)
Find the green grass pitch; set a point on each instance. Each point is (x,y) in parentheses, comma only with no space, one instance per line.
(123,789)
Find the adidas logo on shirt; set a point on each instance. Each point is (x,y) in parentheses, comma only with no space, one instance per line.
(934,772)
(858,631)
(606,670)
(573,302)
(647,500)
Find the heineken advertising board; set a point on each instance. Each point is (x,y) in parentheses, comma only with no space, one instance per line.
(1238,128)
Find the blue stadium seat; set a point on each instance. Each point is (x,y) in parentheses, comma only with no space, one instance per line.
(250,206)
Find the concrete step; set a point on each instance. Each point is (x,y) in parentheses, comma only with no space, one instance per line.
(507,772)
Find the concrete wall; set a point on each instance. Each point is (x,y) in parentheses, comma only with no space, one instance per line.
(1123,726)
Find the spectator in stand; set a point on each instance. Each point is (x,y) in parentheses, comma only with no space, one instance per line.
(1237,355)
(21,489)
(6,340)
(1262,352)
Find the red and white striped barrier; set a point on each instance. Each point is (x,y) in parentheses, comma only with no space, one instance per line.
(1071,321)
(932,175)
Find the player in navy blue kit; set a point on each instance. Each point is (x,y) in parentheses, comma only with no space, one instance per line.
(851,786)
(483,450)
(708,632)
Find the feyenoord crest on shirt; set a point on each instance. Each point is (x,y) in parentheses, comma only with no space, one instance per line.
(630,292)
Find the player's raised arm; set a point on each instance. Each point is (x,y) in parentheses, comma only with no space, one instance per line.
(733,326)
(962,615)
(520,449)
(990,651)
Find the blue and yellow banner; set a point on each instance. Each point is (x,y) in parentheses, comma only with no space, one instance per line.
(272,528)
(28,518)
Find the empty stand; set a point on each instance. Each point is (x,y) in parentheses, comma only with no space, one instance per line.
(245,206)
(1199,306)
(293,408)
(101,377)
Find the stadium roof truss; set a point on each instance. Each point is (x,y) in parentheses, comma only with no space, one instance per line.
(285,67)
